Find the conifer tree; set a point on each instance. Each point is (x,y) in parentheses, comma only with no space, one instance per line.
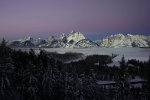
(122,83)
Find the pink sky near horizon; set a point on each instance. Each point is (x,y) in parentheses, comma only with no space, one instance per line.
(22,17)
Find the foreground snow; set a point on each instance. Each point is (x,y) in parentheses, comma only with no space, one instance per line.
(137,82)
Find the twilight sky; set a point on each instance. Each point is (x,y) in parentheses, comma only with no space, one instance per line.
(41,18)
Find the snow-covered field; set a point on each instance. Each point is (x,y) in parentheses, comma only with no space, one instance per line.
(141,54)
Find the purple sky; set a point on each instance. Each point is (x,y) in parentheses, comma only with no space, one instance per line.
(19,18)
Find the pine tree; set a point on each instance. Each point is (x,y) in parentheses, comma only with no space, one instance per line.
(3,43)
(122,83)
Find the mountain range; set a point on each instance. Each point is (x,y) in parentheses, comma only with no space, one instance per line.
(78,40)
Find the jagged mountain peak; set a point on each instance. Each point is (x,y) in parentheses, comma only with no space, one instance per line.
(62,36)
(29,38)
(120,40)
(25,42)
(73,31)
(116,35)
(26,39)
(75,36)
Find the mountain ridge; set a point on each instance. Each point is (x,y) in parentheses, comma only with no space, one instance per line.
(128,40)
(78,40)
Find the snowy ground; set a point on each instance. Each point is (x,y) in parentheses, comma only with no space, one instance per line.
(141,54)
(136,79)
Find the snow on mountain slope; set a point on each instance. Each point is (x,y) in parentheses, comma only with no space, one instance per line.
(112,41)
(72,38)
(120,40)
(75,36)
(63,38)
(39,41)
(52,39)
(53,42)
(64,41)
(26,42)
(85,43)
(148,40)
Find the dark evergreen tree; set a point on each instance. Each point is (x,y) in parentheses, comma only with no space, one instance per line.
(122,83)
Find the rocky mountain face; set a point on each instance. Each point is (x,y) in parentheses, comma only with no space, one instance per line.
(78,40)
(120,40)
(73,38)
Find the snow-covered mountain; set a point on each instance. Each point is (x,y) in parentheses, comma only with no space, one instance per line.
(120,40)
(78,40)
(26,42)
(71,40)
(85,43)
(75,36)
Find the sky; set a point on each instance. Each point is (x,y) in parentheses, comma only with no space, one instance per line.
(94,18)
